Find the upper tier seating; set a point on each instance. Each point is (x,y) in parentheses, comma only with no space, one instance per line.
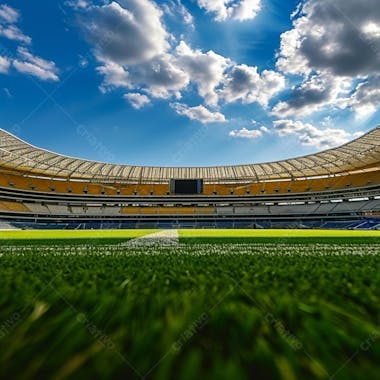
(17,181)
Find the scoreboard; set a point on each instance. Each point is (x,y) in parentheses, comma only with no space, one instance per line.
(186,186)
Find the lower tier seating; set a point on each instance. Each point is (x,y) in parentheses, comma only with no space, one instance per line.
(357,224)
(260,210)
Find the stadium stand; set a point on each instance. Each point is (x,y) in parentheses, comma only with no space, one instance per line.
(336,188)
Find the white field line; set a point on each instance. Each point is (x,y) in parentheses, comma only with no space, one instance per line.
(165,238)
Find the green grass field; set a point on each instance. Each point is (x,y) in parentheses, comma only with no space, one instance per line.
(282,236)
(235,304)
(190,235)
(71,234)
(64,237)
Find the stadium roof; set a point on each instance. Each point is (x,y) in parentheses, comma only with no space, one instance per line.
(360,154)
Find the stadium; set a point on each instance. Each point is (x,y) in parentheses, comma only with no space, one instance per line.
(336,188)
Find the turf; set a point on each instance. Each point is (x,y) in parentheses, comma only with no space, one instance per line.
(274,233)
(64,237)
(190,236)
(278,235)
(72,234)
(193,311)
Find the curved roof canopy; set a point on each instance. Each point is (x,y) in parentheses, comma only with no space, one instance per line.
(359,154)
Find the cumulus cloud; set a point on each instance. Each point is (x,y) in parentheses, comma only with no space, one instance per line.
(334,44)
(199,113)
(137,100)
(217,78)
(312,95)
(240,10)
(131,44)
(132,47)
(366,98)
(340,36)
(205,69)
(8,14)
(309,135)
(35,66)
(251,134)
(160,77)
(114,76)
(128,34)
(4,65)
(246,84)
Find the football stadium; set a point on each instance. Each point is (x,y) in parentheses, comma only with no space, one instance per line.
(337,188)
(265,271)
(189,190)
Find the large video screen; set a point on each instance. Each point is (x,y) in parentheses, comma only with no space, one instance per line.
(186,186)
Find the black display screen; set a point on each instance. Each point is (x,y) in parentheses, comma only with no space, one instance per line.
(186,186)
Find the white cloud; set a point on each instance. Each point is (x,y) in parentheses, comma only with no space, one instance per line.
(217,78)
(159,77)
(321,91)
(245,133)
(128,34)
(309,135)
(338,36)
(372,29)
(137,100)
(131,44)
(34,70)
(205,69)
(8,17)
(366,98)
(12,32)
(240,10)
(245,10)
(333,45)
(114,76)
(77,4)
(35,66)
(4,65)
(199,113)
(176,8)
(246,84)
(26,62)
(8,14)
(314,94)
(186,15)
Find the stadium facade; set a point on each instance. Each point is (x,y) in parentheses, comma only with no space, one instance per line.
(335,188)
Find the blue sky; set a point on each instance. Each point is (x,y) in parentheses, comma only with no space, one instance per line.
(190,82)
